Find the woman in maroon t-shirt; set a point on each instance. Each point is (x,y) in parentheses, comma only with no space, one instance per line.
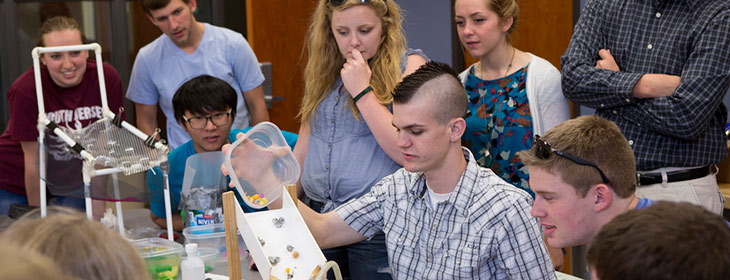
(71,98)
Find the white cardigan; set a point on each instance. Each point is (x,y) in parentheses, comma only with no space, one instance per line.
(548,106)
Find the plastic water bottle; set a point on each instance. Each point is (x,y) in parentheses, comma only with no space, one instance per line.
(192,267)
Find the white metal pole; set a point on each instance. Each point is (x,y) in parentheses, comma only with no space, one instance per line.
(117,196)
(35,53)
(165,168)
(87,171)
(42,170)
(100,73)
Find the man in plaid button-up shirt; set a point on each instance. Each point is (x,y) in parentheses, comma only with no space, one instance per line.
(444,217)
(659,69)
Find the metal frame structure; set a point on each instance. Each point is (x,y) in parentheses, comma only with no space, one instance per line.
(107,158)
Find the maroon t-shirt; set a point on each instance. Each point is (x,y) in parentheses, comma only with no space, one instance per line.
(74,107)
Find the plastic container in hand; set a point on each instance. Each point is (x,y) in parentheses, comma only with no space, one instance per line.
(192,267)
(161,256)
(260,163)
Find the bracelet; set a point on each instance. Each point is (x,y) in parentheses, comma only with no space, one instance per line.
(362,93)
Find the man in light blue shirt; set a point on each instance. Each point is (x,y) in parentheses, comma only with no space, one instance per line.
(188,49)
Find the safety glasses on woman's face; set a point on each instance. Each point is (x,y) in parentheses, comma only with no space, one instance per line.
(340,2)
(543,151)
(219,119)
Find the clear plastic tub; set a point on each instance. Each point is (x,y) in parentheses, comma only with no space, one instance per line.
(212,236)
(202,187)
(260,163)
(161,256)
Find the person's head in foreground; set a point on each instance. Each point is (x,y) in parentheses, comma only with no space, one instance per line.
(667,240)
(81,247)
(17,263)
(429,106)
(583,173)
(205,107)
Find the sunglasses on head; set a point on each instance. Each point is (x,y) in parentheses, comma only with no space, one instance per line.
(340,2)
(544,149)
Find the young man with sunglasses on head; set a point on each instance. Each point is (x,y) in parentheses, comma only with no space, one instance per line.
(204,108)
(583,173)
(443,216)
(186,49)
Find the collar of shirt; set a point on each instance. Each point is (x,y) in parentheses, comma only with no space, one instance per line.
(464,192)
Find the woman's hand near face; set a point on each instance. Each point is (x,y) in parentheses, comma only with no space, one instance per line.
(355,73)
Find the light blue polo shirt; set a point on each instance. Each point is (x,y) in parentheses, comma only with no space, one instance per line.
(161,68)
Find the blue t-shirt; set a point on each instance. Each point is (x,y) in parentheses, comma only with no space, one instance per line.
(643,203)
(177,159)
(161,68)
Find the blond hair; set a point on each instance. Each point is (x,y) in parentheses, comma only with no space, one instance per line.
(82,248)
(17,263)
(325,60)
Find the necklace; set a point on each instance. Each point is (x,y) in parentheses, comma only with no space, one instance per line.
(510,62)
(479,73)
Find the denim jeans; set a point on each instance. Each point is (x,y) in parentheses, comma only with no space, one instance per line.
(7,198)
(367,259)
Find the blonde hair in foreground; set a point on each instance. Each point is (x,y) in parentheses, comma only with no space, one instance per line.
(17,263)
(82,248)
(325,60)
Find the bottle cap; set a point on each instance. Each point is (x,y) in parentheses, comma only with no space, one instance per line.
(191,248)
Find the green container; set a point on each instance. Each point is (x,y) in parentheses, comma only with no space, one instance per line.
(161,256)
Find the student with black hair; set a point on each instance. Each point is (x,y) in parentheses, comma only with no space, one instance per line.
(204,107)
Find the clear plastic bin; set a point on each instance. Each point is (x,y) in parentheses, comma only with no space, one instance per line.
(161,256)
(260,163)
(212,236)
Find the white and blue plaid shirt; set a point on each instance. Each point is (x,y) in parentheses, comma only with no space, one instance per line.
(687,38)
(483,231)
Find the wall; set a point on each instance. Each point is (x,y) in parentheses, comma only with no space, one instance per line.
(428,26)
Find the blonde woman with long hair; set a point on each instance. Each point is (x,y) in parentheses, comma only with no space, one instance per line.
(357,54)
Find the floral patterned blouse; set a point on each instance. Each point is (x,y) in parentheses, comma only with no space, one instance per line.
(498,124)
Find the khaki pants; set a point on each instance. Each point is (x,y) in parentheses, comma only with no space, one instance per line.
(701,191)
